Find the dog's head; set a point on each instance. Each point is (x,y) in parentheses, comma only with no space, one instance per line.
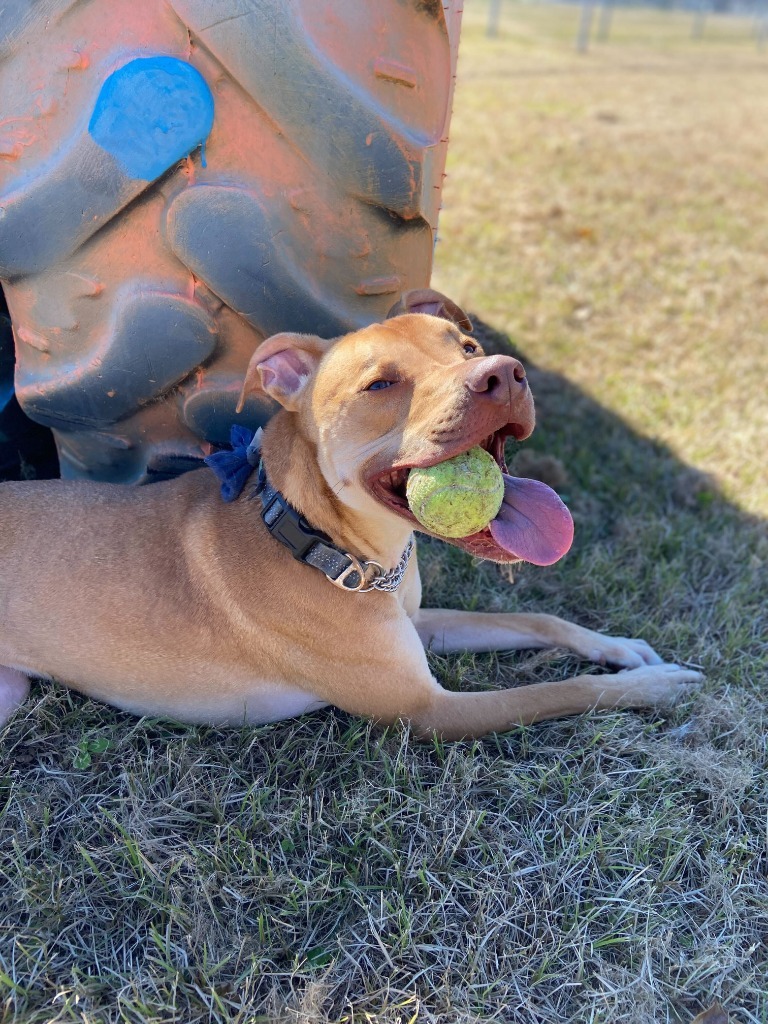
(412,392)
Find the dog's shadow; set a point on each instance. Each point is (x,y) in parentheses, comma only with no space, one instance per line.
(658,551)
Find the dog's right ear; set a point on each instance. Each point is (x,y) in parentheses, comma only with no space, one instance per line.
(281,367)
(427,300)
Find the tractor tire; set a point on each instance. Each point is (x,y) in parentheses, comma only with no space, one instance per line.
(180,180)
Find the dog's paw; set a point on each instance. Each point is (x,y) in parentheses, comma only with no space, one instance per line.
(649,686)
(619,652)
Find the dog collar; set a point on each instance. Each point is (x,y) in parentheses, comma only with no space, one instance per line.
(314,548)
(287,524)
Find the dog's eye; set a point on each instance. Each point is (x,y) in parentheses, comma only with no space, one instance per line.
(379,384)
(469,348)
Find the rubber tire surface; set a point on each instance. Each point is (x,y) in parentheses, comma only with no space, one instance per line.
(142,268)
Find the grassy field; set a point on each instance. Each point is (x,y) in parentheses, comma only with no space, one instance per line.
(606,215)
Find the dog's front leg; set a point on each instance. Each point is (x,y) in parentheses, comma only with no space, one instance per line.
(455,716)
(443,630)
(396,684)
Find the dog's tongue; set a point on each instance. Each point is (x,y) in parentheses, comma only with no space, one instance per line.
(532,523)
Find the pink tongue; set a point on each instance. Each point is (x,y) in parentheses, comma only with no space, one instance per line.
(532,523)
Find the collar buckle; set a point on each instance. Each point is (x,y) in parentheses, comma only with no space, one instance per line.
(286,527)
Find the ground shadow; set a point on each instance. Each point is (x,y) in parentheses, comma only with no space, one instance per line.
(27,450)
(597,451)
(652,532)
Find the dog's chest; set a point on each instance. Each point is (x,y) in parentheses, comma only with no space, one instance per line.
(216,701)
(255,702)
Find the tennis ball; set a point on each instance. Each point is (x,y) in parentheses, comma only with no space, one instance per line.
(457,497)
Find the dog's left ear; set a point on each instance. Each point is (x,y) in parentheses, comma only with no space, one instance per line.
(427,300)
(281,367)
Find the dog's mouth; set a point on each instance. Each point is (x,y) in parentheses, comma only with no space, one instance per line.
(532,525)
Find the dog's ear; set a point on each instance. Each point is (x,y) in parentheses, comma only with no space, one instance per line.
(281,367)
(427,300)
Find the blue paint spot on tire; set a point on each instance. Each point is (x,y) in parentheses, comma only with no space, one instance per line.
(151,113)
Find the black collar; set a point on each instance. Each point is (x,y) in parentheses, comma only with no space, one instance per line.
(314,548)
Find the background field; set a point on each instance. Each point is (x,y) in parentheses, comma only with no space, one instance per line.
(606,214)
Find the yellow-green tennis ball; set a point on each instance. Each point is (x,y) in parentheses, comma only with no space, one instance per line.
(457,497)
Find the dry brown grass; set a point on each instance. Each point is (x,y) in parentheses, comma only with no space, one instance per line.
(606,214)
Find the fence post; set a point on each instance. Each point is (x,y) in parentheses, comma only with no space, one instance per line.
(699,20)
(585,27)
(761,32)
(604,24)
(494,15)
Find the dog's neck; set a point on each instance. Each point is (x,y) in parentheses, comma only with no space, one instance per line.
(291,463)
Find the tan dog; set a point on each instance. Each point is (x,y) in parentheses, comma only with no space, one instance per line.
(164,600)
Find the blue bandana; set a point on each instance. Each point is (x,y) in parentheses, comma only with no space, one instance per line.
(234,467)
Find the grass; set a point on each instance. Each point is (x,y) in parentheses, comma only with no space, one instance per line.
(603,214)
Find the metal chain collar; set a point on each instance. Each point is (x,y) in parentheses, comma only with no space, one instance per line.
(390,580)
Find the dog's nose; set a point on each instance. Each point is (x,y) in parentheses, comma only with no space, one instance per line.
(499,378)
